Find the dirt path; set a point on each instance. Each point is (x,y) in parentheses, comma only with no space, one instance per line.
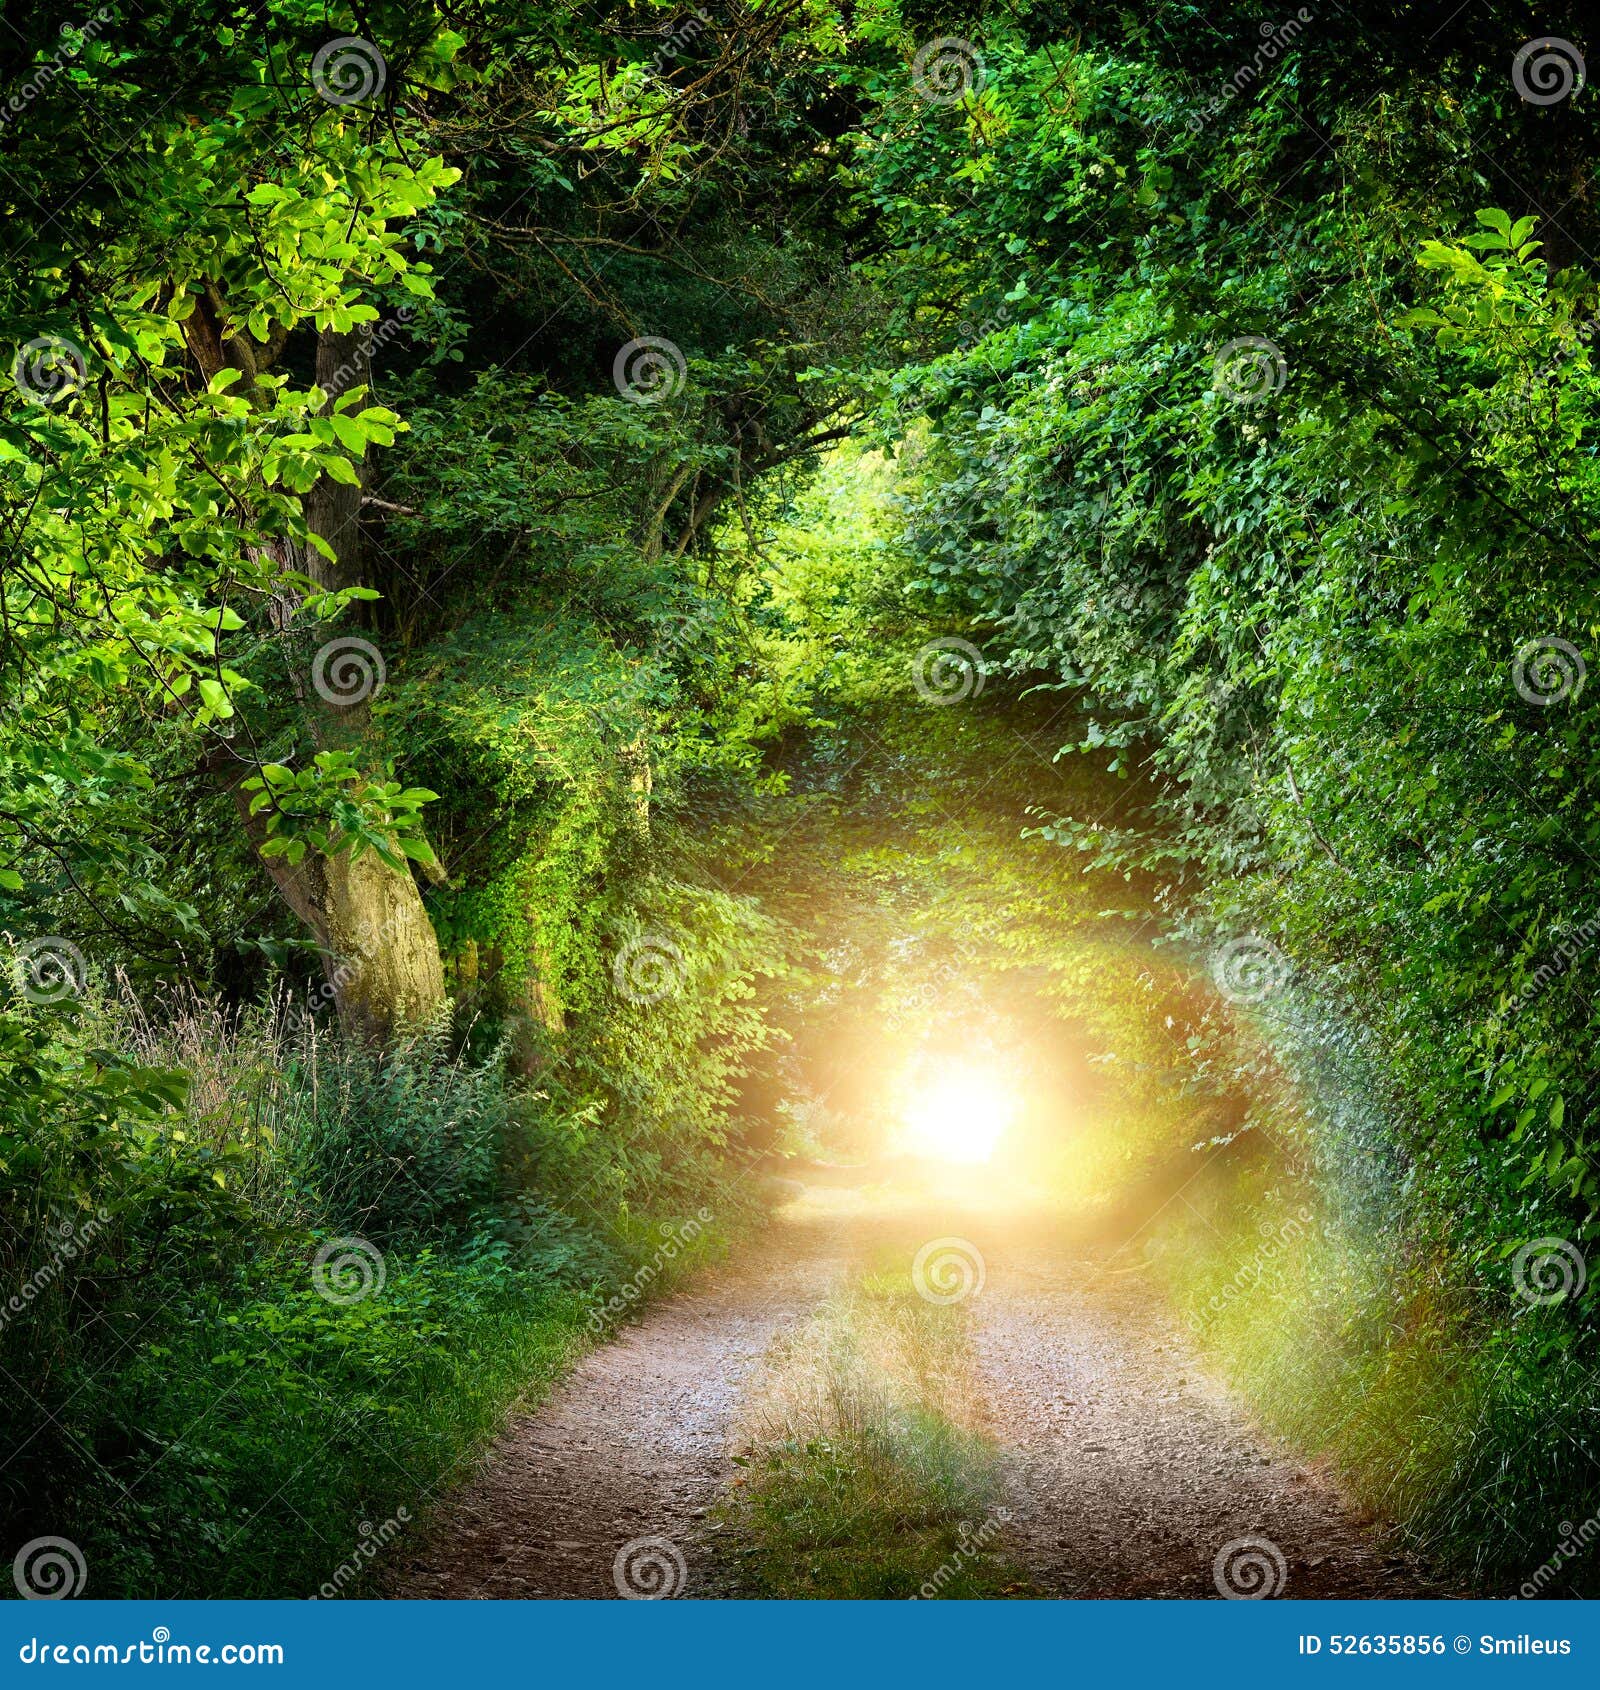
(633,1447)
(1129,1471)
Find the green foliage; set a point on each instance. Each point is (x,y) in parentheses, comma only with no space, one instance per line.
(202,487)
(1297,587)
(1202,393)
(1428,1414)
(1278,458)
(332,806)
(330,1417)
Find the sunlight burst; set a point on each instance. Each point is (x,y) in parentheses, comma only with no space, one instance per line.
(959,1112)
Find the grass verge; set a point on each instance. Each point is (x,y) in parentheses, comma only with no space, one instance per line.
(258,1441)
(1470,1429)
(254,1341)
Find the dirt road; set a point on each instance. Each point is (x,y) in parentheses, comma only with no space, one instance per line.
(1134,1474)
(634,1446)
(1131,1473)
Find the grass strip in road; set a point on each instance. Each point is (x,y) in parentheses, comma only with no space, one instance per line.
(865,1470)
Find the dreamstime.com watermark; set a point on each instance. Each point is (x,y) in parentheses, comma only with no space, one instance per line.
(347,671)
(1548,670)
(1276,37)
(1249,1569)
(49,1569)
(948,671)
(70,1239)
(73,38)
(648,968)
(156,1650)
(973,329)
(1249,369)
(373,1539)
(678,1237)
(1558,960)
(649,1569)
(649,370)
(679,38)
(341,379)
(1249,968)
(684,632)
(47,970)
(48,369)
(945,71)
(370,937)
(948,1270)
(348,1270)
(1523,398)
(1574,1541)
(970,1545)
(349,71)
(1546,1271)
(1547,69)
(930,991)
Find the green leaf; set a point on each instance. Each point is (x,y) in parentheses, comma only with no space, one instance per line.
(342,470)
(215,696)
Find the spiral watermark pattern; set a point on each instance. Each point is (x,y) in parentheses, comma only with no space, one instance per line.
(48,369)
(948,671)
(50,970)
(648,969)
(1548,670)
(1549,1270)
(948,1270)
(1248,369)
(1249,969)
(49,1569)
(1250,1569)
(348,70)
(348,671)
(371,1540)
(1546,70)
(945,71)
(649,370)
(71,40)
(649,1569)
(348,1270)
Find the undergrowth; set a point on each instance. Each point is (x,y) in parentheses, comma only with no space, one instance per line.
(264,1332)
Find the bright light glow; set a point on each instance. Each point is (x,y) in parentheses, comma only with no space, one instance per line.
(958,1113)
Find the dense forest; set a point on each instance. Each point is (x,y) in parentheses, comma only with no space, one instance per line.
(573,575)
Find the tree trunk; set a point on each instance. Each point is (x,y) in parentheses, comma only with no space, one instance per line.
(379,951)
(380,954)
(537,1015)
(636,760)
